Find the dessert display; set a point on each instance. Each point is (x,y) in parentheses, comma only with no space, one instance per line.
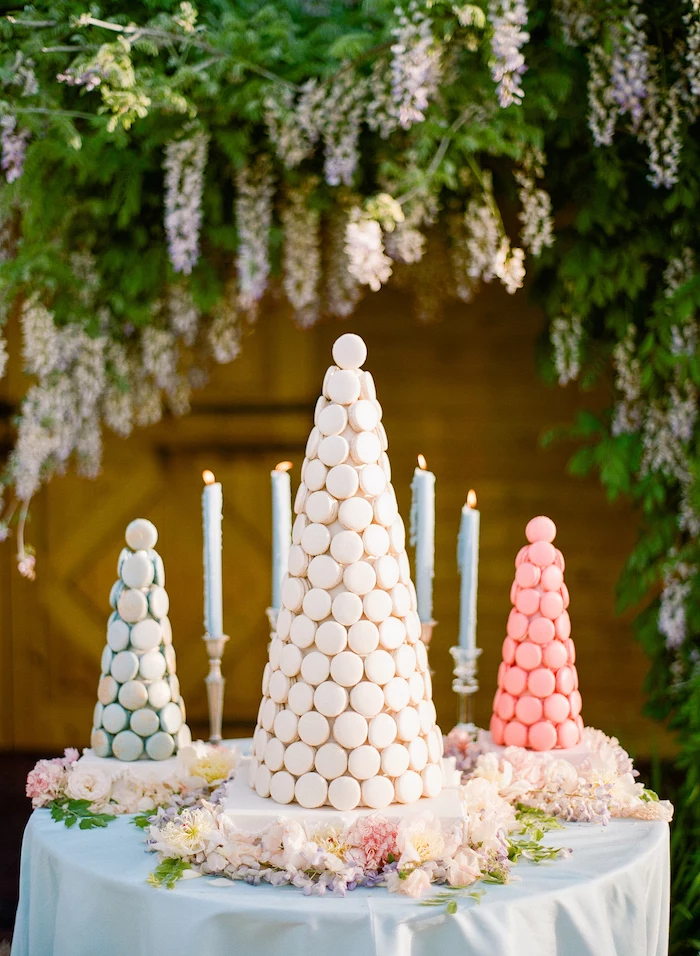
(347,717)
(538,704)
(139,712)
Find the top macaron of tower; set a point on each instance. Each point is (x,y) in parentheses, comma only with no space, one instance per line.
(538,704)
(139,712)
(347,717)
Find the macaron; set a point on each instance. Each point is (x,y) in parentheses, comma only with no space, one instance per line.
(141,534)
(542,736)
(331,761)
(344,793)
(349,351)
(540,529)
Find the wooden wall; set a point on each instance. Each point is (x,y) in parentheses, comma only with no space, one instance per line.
(463,392)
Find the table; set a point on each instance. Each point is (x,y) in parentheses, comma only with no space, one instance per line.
(83,893)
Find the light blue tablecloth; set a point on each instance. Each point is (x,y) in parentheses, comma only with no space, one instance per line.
(83,893)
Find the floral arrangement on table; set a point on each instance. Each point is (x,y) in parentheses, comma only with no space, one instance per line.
(510,802)
(91,797)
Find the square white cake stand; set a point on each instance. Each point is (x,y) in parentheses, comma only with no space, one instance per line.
(251,812)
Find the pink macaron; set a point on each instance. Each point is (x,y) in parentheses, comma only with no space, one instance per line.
(563,626)
(514,591)
(541,682)
(567,734)
(541,630)
(515,734)
(517,625)
(571,647)
(528,710)
(505,708)
(575,703)
(565,595)
(508,650)
(542,736)
(522,555)
(555,655)
(496,728)
(527,600)
(556,708)
(528,655)
(565,680)
(527,575)
(540,528)
(515,681)
(502,669)
(551,605)
(559,560)
(542,553)
(551,578)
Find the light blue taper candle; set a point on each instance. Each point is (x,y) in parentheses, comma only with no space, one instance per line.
(212,514)
(281,528)
(423,537)
(468,562)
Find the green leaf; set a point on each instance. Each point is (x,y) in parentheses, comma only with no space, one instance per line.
(168,872)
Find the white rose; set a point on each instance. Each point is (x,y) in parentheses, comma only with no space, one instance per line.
(92,785)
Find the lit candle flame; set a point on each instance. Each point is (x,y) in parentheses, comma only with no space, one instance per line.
(422,463)
(471,499)
(208,477)
(284,466)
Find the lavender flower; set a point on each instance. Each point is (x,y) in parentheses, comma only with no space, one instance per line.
(14,147)
(253,209)
(184,164)
(507,18)
(415,65)
(565,335)
(301,255)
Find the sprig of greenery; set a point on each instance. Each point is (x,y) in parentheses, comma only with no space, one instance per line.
(447,899)
(71,812)
(168,872)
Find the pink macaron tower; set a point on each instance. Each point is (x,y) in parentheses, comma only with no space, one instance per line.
(538,704)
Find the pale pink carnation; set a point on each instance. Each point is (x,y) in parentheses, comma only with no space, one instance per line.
(46,782)
(71,754)
(372,839)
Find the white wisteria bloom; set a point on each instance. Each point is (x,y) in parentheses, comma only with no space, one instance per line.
(14,147)
(672,607)
(508,18)
(629,65)
(627,416)
(159,355)
(301,254)
(364,246)
(602,108)
(40,341)
(286,127)
(509,266)
(565,335)
(576,22)
(415,65)
(3,355)
(147,400)
(253,211)
(537,232)
(342,289)
(343,110)
(224,334)
(184,164)
(662,132)
(183,314)
(483,235)
(117,403)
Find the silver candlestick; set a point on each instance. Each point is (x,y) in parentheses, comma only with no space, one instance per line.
(465,684)
(215,682)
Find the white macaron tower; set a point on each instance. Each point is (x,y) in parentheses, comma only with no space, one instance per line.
(347,718)
(139,713)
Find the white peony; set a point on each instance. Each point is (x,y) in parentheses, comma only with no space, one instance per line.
(92,785)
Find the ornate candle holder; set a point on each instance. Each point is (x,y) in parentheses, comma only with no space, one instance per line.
(465,684)
(215,682)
